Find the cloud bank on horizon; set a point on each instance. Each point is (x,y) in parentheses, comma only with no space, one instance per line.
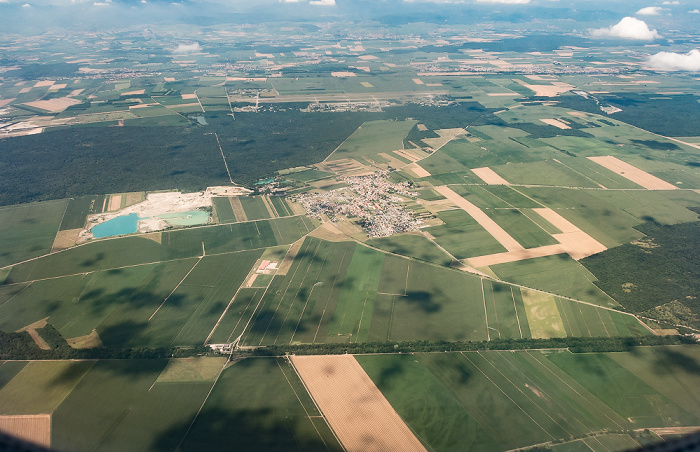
(627,28)
(671,61)
(184,49)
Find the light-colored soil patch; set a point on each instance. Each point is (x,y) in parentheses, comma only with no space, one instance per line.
(288,259)
(115,203)
(237,208)
(355,409)
(555,123)
(91,340)
(328,231)
(421,127)
(351,229)
(31,329)
(44,83)
(633,173)
(542,315)
(65,239)
(33,428)
(515,256)
(191,369)
(411,154)
(368,57)
(573,240)
(367,84)
(251,280)
(416,170)
(268,205)
(54,105)
(552,90)
(134,197)
(502,94)
(418,81)
(188,96)
(392,161)
(169,79)
(439,205)
(343,74)
(134,93)
(484,220)
(4,102)
(297,209)
(489,176)
(155,236)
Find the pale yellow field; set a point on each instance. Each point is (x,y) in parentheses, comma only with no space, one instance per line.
(484,220)
(355,409)
(237,208)
(552,90)
(633,173)
(416,170)
(555,123)
(54,105)
(489,176)
(33,428)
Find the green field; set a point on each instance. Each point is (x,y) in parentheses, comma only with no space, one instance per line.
(254,208)
(503,400)
(462,236)
(411,245)
(258,404)
(558,274)
(222,207)
(28,231)
(372,138)
(521,228)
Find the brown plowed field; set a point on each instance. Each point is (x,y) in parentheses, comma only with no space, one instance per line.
(34,428)
(357,412)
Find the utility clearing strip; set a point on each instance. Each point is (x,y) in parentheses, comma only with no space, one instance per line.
(355,409)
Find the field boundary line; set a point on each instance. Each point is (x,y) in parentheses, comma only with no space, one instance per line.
(173,291)
(305,304)
(529,352)
(515,307)
(509,398)
(486,314)
(194,419)
(524,394)
(292,302)
(318,328)
(302,405)
(318,408)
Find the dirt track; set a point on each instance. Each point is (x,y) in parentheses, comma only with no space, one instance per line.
(359,414)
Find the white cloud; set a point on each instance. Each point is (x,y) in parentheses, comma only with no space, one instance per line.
(290,1)
(26,5)
(670,61)
(695,11)
(675,2)
(322,2)
(510,2)
(628,28)
(187,48)
(650,11)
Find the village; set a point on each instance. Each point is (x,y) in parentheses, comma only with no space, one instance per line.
(372,199)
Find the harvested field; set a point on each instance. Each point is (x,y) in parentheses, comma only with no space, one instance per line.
(355,409)
(445,135)
(289,257)
(416,170)
(237,208)
(556,123)
(54,105)
(552,90)
(65,239)
(490,176)
(392,161)
(91,340)
(574,241)
(31,329)
(411,155)
(115,203)
(4,102)
(632,173)
(514,256)
(189,96)
(484,220)
(34,428)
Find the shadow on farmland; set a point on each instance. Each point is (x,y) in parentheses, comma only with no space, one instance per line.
(670,361)
(93,261)
(119,335)
(259,429)
(424,300)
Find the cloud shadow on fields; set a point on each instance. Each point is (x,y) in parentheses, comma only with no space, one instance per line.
(240,429)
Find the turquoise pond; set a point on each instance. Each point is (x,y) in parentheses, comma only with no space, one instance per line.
(123,224)
(190,218)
